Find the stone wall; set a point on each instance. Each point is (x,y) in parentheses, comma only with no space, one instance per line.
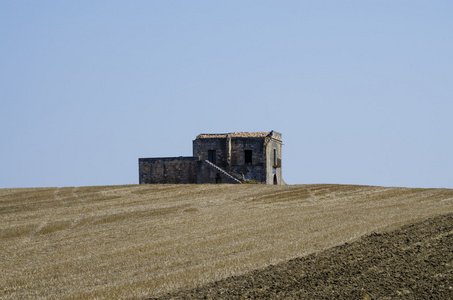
(274,165)
(176,170)
(249,172)
(168,170)
(230,155)
(239,145)
(209,173)
(202,146)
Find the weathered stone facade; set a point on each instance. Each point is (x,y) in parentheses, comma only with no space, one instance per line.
(168,170)
(221,158)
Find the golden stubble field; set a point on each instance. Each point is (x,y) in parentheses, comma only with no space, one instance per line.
(140,241)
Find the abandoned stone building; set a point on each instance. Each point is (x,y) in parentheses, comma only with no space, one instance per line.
(221,158)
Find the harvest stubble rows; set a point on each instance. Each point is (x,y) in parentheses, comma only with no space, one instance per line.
(146,240)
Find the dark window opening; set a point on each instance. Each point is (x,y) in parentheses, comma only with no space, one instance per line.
(248,157)
(212,156)
(275,158)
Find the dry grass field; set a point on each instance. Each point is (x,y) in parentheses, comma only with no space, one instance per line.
(145,240)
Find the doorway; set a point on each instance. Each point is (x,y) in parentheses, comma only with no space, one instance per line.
(275,179)
(212,156)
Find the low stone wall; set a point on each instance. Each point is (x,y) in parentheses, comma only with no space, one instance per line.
(168,170)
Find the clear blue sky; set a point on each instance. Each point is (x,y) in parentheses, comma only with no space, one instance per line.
(362,91)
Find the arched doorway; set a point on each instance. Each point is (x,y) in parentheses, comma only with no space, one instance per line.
(275,179)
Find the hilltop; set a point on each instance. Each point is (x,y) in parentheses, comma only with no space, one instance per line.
(147,240)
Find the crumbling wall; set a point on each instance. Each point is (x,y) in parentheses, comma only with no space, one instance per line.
(209,173)
(274,159)
(168,170)
(201,148)
(239,145)
(249,172)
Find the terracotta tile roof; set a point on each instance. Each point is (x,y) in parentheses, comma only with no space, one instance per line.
(233,135)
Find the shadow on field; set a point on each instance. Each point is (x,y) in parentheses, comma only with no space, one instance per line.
(414,262)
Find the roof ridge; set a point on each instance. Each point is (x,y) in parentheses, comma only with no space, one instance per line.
(234,134)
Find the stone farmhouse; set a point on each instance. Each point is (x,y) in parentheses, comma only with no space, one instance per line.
(221,158)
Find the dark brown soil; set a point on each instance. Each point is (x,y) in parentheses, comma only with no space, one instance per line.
(414,262)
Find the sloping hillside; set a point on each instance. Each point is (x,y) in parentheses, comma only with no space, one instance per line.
(414,262)
(143,241)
